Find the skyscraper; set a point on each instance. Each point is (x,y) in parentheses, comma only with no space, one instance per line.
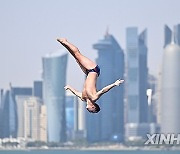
(6,115)
(109,123)
(54,79)
(171,86)
(137,76)
(32,107)
(152,99)
(37,89)
(9,114)
(25,91)
(75,118)
(15,92)
(70,102)
(32,118)
(137,106)
(43,123)
(20,114)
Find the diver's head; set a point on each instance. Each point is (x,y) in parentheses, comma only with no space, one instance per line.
(92,107)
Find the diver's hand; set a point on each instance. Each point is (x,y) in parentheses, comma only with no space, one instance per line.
(118,82)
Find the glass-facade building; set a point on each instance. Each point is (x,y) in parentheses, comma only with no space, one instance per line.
(70,102)
(37,89)
(54,80)
(137,84)
(9,114)
(136,76)
(108,124)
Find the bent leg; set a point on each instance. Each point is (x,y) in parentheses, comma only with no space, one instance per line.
(83,61)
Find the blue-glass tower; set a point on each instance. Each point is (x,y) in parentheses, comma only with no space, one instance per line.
(136,76)
(9,114)
(109,123)
(37,89)
(70,102)
(54,80)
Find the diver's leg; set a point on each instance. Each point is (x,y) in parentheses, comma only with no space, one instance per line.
(83,61)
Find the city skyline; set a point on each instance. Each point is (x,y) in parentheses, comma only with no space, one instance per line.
(110,58)
(33,27)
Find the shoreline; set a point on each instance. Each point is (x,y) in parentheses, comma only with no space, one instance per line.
(92,148)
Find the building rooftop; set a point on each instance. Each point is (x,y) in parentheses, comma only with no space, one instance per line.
(57,53)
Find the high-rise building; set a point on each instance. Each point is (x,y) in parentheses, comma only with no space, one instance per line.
(70,119)
(20,100)
(32,118)
(25,91)
(75,118)
(32,109)
(54,79)
(9,114)
(171,86)
(37,89)
(159,96)
(108,125)
(43,123)
(137,106)
(15,92)
(152,99)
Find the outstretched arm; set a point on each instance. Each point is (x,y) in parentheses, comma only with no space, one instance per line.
(75,92)
(107,88)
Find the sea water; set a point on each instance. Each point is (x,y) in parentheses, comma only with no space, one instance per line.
(87,152)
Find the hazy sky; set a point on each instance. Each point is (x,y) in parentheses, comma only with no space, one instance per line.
(29,28)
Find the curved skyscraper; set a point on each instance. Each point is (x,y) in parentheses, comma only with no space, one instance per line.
(170,104)
(54,79)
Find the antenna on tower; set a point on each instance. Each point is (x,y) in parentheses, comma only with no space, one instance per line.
(107,31)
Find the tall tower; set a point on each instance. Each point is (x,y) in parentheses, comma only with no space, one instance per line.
(9,114)
(54,79)
(137,76)
(137,105)
(20,99)
(37,89)
(109,123)
(43,123)
(171,87)
(32,107)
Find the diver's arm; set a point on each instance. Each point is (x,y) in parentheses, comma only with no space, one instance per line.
(74,91)
(107,88)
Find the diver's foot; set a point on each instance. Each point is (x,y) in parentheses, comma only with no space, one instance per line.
(62,40)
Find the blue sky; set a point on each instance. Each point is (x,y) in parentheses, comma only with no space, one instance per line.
(29,29)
